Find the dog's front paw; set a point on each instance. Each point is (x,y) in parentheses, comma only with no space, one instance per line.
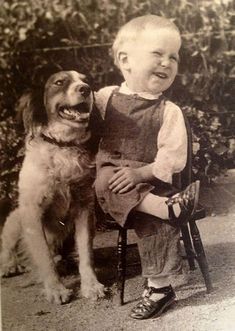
(58,293)
(92,289)
(11,268)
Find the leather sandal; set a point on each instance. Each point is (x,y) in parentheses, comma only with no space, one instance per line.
(147,308)
(188,201)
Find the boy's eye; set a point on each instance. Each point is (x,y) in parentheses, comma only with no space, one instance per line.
(174,58)
(157,53)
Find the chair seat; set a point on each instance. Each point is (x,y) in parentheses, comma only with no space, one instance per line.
(199,213)
(110,224)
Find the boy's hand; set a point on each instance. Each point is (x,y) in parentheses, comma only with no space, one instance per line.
(125,179)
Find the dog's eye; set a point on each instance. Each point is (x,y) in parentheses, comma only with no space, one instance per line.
(59,82)
(85,79)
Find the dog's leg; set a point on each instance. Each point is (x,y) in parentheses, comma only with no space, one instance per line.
(90,287)
(11,235)
(36,241)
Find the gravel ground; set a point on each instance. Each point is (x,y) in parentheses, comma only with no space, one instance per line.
(25,309)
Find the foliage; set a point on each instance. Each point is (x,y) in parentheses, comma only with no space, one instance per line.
(77,34)
(213,144)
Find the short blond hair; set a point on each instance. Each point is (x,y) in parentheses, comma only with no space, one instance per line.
(130,31)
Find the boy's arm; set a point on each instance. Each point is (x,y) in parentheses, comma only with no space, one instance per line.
(125,178)
(172,144)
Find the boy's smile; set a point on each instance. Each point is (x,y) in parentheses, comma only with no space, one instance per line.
(151,62)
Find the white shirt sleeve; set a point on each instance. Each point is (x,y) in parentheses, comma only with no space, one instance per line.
(172,144)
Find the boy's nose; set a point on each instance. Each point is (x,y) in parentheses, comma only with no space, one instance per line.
(165,61)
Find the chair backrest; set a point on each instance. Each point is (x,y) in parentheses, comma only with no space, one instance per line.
(184,178)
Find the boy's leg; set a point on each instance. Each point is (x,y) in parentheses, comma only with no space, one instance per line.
(118,205)
(176,208)
(159,249)
(161,264)
(160,255)
(155,205)
(161,261)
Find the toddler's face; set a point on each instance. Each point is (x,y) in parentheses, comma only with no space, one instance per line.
(153,60)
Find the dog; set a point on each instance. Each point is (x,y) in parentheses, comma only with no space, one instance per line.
(56,197)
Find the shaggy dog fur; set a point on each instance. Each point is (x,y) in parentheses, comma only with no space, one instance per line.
(56,197)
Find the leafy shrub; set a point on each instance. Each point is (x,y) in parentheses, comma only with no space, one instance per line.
(77,34)
(213,143)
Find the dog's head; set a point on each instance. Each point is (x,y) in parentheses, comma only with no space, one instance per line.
(68,98)
(65,99)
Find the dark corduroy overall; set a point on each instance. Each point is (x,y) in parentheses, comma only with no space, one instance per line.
(129,138)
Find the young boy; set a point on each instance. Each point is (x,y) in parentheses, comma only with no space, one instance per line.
(144,142)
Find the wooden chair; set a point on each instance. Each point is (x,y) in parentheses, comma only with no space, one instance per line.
(190,234)
(193,245)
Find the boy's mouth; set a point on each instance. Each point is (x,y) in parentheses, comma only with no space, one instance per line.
(161,75)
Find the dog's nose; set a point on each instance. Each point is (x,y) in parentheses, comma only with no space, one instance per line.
(85,90)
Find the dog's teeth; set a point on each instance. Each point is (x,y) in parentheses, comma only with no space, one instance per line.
(67,111)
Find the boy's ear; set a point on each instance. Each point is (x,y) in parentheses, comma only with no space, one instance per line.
(123,60)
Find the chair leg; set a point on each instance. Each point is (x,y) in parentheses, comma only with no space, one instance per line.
(200,255)
(190,255)
(121,267)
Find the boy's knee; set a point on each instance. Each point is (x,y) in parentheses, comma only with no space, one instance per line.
(102,180)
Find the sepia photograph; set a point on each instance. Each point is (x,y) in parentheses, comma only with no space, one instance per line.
(117,165)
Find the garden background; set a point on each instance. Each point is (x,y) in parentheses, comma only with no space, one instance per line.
(78,34)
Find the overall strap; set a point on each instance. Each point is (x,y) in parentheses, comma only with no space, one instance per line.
(161,113)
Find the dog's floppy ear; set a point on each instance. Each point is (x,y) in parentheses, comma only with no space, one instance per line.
(43,72)
(31,111)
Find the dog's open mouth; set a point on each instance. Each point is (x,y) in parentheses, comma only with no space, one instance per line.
(78,113)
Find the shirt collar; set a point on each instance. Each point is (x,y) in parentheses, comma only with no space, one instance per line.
(149,96)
